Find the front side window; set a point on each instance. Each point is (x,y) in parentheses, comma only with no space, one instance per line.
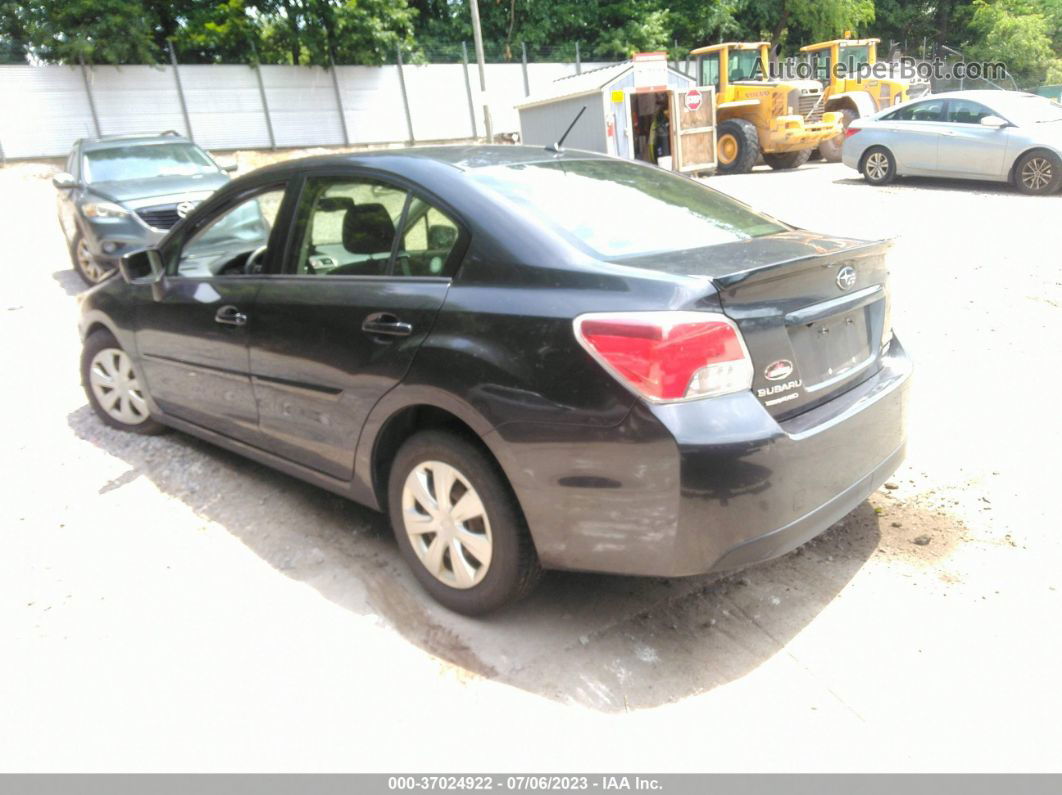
(145,161)
(855,55)
(236,241)
(347,227)
(745,65)
(932,110)
(615,209)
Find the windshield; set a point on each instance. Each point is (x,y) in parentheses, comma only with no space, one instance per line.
(614,209)
(144,162)
(1029,109)
(745,65)
(855,55)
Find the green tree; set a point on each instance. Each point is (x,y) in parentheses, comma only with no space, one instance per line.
(1015,32)
(100,31)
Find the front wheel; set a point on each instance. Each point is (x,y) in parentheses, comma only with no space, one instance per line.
(782,161)
(84,263)
(1038,173)
(458,525)
(737,147)
(113,386)
(879,166)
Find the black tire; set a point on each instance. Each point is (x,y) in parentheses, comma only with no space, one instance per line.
(878,166)
(782,161)
(831,149)
(513,569)
(1038,173)
(90,272)
(746,141)
(97,342)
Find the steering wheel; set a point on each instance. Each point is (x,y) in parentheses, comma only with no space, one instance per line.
(252,265)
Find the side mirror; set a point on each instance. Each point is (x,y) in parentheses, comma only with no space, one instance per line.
(64,181)
(227,165)
(141,267)
(994,122)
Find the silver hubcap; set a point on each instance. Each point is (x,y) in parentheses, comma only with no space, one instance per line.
(877,166)
(447,524)
(115,385)
(87,264)
(1036,174)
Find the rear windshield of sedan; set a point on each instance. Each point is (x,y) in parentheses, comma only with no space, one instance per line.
(616,210)
(144,162)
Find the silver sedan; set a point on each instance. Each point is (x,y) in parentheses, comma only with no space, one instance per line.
(1002,136)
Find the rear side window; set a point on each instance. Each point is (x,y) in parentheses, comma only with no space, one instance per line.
(614,209)
(962,111)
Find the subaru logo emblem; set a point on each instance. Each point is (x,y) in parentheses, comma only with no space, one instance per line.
(184,208)
(778,370)
(846,277)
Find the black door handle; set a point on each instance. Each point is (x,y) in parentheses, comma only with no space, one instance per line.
(230,316)
(386,323)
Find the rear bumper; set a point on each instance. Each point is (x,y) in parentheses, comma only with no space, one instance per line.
(689,488)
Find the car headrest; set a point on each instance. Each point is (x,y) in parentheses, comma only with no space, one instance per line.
(441,237)
(368,229)
(333,204)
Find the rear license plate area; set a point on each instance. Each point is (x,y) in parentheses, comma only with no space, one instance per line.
(830,349)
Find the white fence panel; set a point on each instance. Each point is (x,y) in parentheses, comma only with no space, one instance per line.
(225,106)
(372,104)
(136,99)
(43,110)
(302,105)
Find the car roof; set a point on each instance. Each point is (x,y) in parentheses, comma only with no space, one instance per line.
(131,139)
(979,95)
(462,157)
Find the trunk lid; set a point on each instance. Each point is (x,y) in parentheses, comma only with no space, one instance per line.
(813,310)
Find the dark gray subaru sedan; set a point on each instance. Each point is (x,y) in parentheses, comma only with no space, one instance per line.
(528,359)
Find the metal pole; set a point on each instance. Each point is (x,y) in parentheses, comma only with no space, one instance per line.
(468,90)
(523,60)
(578,60)
(477,36)
(180,91)
(405,98)
(339,101)
(265,102)
(91,101)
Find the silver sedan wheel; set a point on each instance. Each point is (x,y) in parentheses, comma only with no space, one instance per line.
(116,387)
(447,524)
(1037,173)
(87,264)
(877,166)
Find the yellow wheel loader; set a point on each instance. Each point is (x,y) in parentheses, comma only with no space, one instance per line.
(860,86)
(782,120)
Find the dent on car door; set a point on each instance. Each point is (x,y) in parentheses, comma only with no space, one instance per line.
(193,337)
(967,148)
(368,270)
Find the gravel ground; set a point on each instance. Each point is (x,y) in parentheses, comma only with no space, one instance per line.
(170,606)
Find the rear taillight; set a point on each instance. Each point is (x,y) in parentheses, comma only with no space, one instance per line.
(850,131)
(668,356)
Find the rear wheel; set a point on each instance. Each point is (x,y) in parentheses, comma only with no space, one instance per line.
(737,147)
(113,386)
(1038,173)
(84,263)
(780,161)
(831,149)
(879,166)
(458,525)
